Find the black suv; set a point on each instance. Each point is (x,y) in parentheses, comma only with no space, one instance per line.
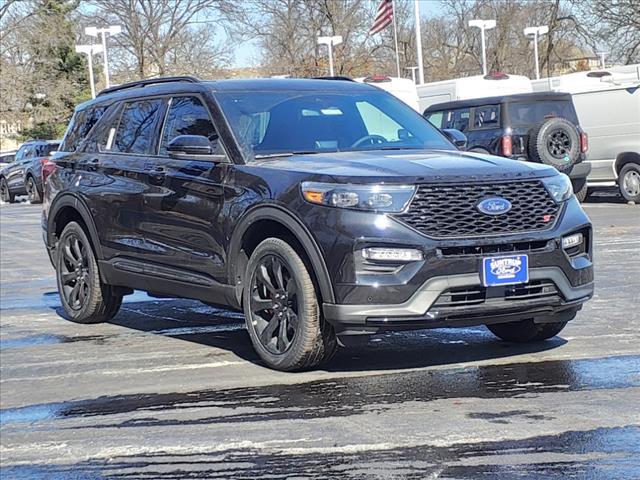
(324,209)
(538,127)
(23,176)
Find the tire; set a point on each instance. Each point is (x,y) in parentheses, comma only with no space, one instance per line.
(76,266)
(282,310)
(479,150)
(5,194)
(525,331)
(32,190)
(555,142)
(581,190)
(629,182)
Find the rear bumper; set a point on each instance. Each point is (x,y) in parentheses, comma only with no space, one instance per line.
(423,309)
(580,170)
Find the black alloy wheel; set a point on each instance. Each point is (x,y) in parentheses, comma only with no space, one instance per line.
(32,190)
(84,297)
(74,272)
(5,193)
(274,304)
(282,309)
(559,143)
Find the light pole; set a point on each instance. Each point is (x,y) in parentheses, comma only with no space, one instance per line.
(416,14)
(483,25)
(413,72)
(90,51)
(330,42)
(535,32)
(94,32)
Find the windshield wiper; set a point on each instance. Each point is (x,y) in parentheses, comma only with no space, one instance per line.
(286,154)
(401,148)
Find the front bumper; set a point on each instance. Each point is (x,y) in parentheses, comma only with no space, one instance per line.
(489,305)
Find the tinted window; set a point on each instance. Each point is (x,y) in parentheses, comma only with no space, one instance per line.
(297,121)
(80,126)
(529,113)
(458,119)
(487,116)
(187,116)
(136,128)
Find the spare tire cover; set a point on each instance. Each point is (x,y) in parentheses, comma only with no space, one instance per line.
(555,142)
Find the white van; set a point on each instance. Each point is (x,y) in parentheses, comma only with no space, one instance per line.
(402,88)
(479,86)
(608,107)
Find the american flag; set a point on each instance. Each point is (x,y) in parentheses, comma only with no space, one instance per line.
(384,17)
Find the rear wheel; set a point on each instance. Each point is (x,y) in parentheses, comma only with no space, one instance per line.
(629,181)
(32,190)
(5,193)
(282,310)
(84,297)
(525,331)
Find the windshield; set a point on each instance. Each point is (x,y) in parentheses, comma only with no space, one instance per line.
(272,123)
(529,113)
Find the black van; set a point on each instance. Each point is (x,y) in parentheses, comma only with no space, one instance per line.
(538,127)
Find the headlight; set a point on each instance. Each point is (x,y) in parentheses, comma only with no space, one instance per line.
(559,186)
(377,198)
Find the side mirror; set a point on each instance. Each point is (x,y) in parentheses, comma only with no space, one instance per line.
(456,137)
(193,147)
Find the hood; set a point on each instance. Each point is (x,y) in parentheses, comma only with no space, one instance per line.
(412,165)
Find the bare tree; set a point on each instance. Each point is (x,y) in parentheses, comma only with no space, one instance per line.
(162,37)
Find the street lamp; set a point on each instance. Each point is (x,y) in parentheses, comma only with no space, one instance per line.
(94,32)
(602,56)
(483,25)
(330,42)
(535,32)
(90,51)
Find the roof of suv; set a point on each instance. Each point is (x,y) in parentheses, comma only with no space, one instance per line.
(478,102)
(182,84)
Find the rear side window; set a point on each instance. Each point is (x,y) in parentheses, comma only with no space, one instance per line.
(137,126)
(530,113)
(80,126)
(486,116)
(187,116)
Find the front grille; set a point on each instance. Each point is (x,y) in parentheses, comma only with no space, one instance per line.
(449,211)
(492,249)
(472,296)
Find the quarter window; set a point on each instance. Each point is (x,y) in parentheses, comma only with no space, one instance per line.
(486,116)
(136,128)
(187,116)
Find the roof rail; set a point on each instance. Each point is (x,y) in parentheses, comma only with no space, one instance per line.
(148,81)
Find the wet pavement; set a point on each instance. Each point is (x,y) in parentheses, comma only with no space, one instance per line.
(172,388)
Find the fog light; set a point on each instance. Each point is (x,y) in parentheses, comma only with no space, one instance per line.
(392,254)
(572,240)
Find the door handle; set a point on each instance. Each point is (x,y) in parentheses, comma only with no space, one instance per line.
(92,165)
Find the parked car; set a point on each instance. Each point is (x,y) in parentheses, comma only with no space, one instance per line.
(290,199)
(608,106)
(477,86)
(23,176)
(7,157)
(536,127)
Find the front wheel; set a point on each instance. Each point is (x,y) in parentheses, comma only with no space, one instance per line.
(5,193)
(525,331)
(629,182)
(84,297)
(282,311)
(32,191)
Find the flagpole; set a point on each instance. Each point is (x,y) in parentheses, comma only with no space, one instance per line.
(416,6)
(395,37)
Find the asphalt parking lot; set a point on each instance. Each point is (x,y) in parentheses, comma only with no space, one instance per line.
(172,388)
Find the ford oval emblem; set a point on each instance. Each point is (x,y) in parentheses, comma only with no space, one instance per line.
(494,206)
